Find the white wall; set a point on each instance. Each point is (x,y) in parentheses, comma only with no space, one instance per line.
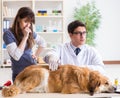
(107,36)
(0,25)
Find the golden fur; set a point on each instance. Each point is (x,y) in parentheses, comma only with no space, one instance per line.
(67,79)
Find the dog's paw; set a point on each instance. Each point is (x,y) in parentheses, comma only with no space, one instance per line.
(10,91)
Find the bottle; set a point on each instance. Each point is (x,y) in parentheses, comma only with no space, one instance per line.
(116,83)
(50,26)
(44,29)
(55,27)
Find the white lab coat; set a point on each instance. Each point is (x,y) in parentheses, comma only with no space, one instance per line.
(88,56)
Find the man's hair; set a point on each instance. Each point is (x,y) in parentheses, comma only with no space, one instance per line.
(73,25)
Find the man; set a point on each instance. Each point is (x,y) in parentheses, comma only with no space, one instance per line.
(76,52)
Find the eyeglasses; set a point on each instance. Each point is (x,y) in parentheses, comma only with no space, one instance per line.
(81,33)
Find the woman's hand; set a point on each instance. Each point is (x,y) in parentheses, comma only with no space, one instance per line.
(34,57)
(26,31)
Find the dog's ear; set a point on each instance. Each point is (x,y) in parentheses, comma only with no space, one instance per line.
(94,82)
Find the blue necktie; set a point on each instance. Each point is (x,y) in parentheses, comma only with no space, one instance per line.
(77,50)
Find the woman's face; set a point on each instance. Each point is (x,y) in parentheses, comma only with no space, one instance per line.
(24,23)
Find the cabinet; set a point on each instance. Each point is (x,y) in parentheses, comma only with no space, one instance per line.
(49,16)
(50,20)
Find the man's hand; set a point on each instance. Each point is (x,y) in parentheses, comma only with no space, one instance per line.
(53,62)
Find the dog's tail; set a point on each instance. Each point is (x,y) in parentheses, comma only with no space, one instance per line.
(10,91)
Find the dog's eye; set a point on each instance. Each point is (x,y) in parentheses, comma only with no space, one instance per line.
(106,83)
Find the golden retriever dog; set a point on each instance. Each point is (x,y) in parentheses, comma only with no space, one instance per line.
(68,79)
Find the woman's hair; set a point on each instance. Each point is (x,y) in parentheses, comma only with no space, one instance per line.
(73,25)
(24,12)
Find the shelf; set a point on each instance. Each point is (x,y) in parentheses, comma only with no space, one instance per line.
(16,0)
(50,21)
(48,0)
(57,16)
(50,32)
(10,17)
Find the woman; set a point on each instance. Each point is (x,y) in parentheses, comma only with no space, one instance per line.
(20,39)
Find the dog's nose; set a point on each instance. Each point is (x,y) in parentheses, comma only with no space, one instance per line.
(113,89)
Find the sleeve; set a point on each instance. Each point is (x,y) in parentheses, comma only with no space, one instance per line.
(11,46)
(96,62)
(8,37)
(14,52)
(40,41)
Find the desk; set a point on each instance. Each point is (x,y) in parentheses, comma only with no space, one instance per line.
(58,95)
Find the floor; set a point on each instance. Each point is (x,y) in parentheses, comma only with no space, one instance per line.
(112,70)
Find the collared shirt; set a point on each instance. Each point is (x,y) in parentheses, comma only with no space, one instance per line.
(88,56)
(74,48)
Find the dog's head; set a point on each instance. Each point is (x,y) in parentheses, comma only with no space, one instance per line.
(99,83)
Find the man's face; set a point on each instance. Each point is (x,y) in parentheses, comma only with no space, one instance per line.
(78,37)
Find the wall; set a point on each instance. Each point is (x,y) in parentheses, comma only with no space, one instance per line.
(107,36)
(0,28)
